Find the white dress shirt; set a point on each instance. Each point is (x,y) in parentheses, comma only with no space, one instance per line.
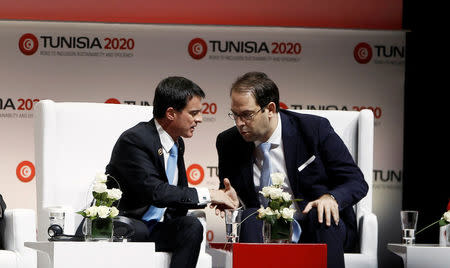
(277,161)
(167,142)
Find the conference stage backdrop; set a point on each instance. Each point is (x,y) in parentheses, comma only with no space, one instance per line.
(122,63)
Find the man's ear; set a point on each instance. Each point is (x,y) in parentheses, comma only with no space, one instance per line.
(170,113)
(272,108)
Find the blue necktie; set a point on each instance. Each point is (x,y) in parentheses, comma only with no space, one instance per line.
(265,171)
(265,180)
(296,231)
(155,213)
(172,163)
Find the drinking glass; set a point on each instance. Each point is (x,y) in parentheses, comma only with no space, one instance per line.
(232,224)
(409,224)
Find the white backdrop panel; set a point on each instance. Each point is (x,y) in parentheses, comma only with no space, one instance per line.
(313,68)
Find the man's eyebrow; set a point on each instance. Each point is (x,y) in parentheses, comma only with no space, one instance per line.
(246,111)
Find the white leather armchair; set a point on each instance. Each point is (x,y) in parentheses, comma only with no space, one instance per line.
(20,227)
(356,130)
(74,141)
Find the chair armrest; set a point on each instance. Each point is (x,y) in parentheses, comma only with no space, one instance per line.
(368,227)
(201,216)
(20,227)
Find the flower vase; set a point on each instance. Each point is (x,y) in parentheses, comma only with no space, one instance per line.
(443,236)
(278,232)
(447,235)
(98,229)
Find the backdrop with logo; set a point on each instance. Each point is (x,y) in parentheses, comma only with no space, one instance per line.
(122,63)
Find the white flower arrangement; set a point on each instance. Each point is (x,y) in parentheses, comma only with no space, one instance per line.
(279,214)
(104,198)
(279,201)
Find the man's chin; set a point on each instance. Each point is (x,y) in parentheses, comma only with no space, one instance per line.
(247,137)
(188,134)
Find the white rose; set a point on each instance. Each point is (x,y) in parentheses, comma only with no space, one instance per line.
(446,216)
(268,211)
(91,211)
(261,212)
(266,191)
(287,213)
(101,177)
(114,193)
(103,211)
(99,187)
(277,213)
(286,196)
(114,212)
(275,193)
(277,178)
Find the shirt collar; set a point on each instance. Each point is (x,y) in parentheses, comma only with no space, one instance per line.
(166,140)
(275,139)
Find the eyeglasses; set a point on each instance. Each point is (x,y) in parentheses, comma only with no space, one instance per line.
(245,116)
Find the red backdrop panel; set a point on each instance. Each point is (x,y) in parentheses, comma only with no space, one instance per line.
(370,14)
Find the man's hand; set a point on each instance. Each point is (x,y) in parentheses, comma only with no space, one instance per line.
(325,204)
(230,193)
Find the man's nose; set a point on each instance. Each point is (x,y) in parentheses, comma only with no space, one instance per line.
(199,118)
(238,121)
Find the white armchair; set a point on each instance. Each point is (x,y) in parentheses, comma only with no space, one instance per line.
(74,141)
(356,130)
(20,227)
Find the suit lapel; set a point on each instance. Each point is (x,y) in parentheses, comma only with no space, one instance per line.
(247,173)
(242,153)
(291,138)
(248,169)
(182,179)
(157,147)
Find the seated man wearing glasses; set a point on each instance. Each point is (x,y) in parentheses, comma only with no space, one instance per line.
(316,162)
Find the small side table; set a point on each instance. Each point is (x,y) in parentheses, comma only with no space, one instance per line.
(422,255)
(101,254)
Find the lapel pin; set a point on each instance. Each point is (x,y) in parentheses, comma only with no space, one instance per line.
(160,152)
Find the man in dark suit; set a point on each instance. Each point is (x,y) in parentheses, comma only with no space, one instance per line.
(147,161)
(319,167)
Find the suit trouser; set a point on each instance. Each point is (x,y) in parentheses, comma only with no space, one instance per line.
(182,236)
(337,237)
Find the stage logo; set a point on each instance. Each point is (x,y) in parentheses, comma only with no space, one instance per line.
(197,48)
(28,44)
(362,53)
(195,174)
(25,171)
(112,100)
(283,105)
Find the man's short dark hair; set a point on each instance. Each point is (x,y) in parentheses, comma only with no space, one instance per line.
(260,85)
(175,92)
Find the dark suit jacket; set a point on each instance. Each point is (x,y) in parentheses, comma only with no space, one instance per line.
(333,170)
(137,162)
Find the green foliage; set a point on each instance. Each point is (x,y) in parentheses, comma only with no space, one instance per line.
(443,222)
